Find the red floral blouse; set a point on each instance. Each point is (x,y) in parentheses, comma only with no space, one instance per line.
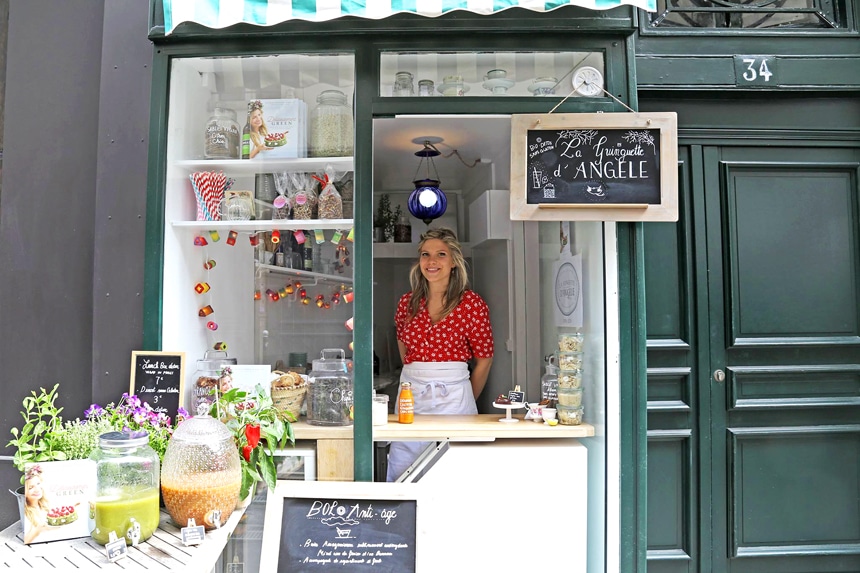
(464,333)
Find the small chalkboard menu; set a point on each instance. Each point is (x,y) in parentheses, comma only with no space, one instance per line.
(370,527)
(158,378)
(601,166)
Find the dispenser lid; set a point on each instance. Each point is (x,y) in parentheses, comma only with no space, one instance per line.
(331,360)
(215,359)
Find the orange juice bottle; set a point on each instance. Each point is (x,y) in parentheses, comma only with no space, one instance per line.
(406,404)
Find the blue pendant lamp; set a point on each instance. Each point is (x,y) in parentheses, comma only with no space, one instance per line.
(427,201)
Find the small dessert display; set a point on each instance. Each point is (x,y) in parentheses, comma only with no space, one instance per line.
(511,401)
(276,139)
(502,399)
(62,515)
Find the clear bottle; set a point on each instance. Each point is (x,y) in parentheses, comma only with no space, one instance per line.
(127,487)
(403,86)
(405,404)
(549,381)
(331,126)
(222,135)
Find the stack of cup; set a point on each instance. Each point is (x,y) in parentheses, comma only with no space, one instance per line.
(570,363)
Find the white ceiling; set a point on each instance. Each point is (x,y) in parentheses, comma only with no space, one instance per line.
(395,141)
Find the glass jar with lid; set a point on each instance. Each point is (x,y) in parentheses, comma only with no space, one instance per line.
(403,85)
(331,126)
(202,473)
(329,397)
(222,136)
(127,480)
(425,88)
(210,374)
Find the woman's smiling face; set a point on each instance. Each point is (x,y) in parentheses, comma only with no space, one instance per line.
(436,261)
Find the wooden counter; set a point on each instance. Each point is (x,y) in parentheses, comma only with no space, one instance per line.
(335,448)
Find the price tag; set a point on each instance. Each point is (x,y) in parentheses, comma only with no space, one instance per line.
(351,236)
(193,533)
(115,549)
(335,239)
(319,236)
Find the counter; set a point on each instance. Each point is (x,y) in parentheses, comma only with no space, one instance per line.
(335,449)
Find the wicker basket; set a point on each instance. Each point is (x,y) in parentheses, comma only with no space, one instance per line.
(288,393)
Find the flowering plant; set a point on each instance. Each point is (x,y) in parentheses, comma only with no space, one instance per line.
(253,420)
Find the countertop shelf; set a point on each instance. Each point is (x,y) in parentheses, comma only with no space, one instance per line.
(305,274)
(266,225)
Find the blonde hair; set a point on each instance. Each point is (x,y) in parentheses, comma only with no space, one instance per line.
(36,514)
(457,283)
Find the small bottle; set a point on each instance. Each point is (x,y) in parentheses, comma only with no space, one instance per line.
(549,381)
(308,255)
(246,136)
(405,404)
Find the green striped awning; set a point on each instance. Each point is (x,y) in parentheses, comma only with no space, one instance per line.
(223,13)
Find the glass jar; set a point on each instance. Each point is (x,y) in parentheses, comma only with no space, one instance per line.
(222,136)
(329,398)
(549,381)
(202,474)
(209,375)
(403,85)
(425,88)
(331,126)
(127,474)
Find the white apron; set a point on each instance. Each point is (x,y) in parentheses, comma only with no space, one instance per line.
(437,388)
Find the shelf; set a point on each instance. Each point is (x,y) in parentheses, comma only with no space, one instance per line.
(254,166)
(266,225)
(304,274)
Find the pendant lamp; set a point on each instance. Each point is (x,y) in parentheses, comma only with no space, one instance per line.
(427,201)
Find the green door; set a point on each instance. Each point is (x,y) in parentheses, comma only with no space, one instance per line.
(754,446)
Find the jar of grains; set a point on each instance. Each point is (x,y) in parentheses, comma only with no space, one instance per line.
(222,136)
(331,126)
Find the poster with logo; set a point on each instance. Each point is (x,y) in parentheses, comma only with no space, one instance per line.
(56,500)
(567,290)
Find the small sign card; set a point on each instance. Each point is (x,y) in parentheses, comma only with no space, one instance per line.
(158,378)
(192,534)
(115,549)
(516,396)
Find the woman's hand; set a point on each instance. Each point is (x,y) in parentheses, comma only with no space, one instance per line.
(480,371)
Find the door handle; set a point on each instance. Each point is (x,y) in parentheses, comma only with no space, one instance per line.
(719,376)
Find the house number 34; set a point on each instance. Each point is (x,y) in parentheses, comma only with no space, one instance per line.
(755,71)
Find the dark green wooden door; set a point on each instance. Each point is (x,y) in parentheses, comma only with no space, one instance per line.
(759,460)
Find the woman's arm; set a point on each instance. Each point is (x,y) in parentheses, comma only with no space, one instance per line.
(402,348)
(480,371)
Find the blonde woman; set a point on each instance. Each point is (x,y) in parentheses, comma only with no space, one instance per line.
(36,505)
(259,131)
(443,328)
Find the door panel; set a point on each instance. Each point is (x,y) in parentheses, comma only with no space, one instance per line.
(782,233)
(758,470)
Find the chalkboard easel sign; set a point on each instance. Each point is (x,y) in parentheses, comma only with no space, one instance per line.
(594,166)
(340,526)
(158,378)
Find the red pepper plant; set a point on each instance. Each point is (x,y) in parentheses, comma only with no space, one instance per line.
(258,431)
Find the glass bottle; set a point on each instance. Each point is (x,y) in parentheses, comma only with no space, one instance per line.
(330,386)
(405,404)
(403,85)
(549,381)
(246,136)
(126,503)
(331,126)
(222,135)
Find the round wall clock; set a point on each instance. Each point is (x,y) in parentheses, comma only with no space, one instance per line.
(588,81)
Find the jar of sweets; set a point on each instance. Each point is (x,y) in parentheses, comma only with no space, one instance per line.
(222,136)
(331,126)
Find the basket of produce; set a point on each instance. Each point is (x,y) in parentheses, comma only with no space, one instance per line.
(288,393)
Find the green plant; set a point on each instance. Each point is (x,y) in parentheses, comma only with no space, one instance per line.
(383,212)
(258,430)
(36,440)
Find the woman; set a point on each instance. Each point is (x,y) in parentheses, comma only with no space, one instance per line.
(441,326)
(36,505)
(259,131)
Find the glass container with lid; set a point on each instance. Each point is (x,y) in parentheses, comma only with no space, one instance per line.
(549,381)
(210,374)
(127,474)
(222,136)
(403,84)
(331,133)
(329,398)
(202,474)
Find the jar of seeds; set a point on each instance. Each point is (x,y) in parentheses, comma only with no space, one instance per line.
(331,126)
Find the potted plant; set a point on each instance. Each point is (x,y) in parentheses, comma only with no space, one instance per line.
(383,223)
(258,430)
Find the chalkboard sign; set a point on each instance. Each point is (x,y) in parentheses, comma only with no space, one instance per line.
(363,532)
(158,378)
(622,165)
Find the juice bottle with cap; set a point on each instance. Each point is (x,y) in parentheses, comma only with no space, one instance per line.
(406,404)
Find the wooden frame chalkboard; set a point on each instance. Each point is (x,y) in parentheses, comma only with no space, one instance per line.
(344,526)
(594,167)
(158,378)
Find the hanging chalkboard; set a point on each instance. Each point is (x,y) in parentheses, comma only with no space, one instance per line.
(347,535)
(158,378)
(594,167)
